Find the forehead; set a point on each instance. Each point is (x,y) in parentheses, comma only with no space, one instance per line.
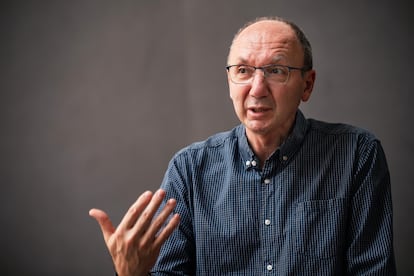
(266,41)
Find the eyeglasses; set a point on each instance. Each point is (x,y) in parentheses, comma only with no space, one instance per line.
(243,74)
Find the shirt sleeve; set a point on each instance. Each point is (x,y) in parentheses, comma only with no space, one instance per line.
(177,255)
(370,236)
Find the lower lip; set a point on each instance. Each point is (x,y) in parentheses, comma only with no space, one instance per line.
(257,115)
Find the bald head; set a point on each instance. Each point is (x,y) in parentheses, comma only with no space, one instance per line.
(268,27)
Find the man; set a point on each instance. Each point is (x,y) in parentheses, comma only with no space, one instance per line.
(278,194)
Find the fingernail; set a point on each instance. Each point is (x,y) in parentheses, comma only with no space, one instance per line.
(146,193)
(161,193)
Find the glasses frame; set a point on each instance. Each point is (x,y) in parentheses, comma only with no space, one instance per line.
(290,68)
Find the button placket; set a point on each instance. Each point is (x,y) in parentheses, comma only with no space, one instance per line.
(251,163)
(268,213)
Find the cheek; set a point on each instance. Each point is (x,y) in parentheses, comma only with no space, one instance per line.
(287,101)
(231,89)
(231,93)
(237,97)
(296,94)
(237,93)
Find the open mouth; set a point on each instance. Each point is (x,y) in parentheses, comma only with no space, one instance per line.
(258,109)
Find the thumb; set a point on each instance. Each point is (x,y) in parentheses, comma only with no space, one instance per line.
(104,222)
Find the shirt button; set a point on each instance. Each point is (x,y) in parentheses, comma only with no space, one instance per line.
(247,163)
(267,221)
(269,267)
(267,181)
(285,158)
(254,163)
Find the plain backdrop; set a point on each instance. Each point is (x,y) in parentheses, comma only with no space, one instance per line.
(96,97)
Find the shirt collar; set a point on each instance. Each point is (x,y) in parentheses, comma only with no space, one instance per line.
(284,153)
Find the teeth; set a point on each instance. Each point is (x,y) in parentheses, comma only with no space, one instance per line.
(258,109)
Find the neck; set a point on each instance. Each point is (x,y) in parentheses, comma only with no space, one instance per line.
(264,145)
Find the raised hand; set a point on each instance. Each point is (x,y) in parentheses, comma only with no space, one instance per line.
(135,244)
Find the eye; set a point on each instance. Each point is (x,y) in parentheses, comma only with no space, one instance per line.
(276,70)
(243,70)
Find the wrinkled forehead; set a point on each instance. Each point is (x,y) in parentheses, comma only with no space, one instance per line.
(265,37)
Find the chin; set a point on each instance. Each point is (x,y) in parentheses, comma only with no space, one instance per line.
(258,128)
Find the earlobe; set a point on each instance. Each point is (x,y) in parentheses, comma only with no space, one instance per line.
(306,96)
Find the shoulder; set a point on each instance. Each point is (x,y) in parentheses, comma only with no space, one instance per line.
(345,138)
(321,128)
(215,142)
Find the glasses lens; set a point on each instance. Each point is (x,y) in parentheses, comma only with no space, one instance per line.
(241,73)
(276,73)
(245,73)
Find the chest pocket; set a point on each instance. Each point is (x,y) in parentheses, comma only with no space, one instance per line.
(321,227)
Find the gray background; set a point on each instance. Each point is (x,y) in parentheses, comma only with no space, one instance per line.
(96,96)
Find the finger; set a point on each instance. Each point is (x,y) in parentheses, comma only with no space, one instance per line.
(104,222)
(167,231)
(147,215)
(135,211)
(160,220)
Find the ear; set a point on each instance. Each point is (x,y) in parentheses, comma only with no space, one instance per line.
(229,85)
(309,81)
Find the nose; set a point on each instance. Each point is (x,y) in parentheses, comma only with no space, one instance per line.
(259,87)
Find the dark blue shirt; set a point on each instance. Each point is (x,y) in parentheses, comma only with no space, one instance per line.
(320,205)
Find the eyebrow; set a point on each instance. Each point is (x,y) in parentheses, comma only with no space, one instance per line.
(277,58)
(241,61)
